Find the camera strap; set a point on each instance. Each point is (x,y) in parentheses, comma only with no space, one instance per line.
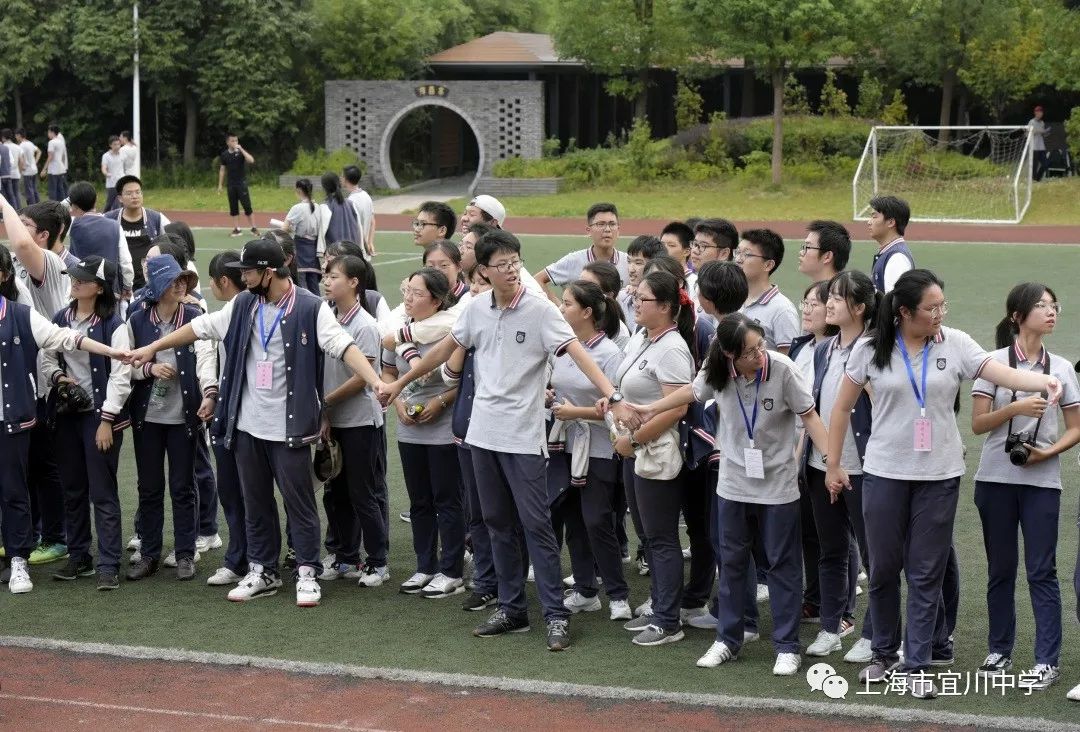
(1046,371)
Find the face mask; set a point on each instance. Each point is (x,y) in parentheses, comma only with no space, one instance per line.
(260,289)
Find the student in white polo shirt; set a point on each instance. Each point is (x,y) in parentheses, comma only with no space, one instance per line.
(760,253)
(913,464)
(31,153)
(602,224)
(1018,483)
(483,209)
(56,166)
(514,333)
(825,250)
(112,167)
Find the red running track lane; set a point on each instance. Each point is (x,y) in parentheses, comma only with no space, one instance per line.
(54,690)
(1019,233)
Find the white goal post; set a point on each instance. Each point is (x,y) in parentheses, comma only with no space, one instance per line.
(980,175)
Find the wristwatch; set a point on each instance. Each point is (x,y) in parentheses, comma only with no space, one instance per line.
(616,397)
(633,441)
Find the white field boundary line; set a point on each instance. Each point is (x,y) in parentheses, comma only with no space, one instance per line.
(292,723)
(551,688)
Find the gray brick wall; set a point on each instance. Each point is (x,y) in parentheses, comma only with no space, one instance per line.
(507,117)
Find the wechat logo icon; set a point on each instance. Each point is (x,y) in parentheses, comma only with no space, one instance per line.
(823,677)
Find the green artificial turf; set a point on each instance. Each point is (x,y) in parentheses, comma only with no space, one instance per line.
(379,627)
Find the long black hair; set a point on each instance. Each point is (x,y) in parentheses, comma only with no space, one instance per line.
(437,284)
(104,303)
(665,288)
(304,186)
(730,338)
(331,186)
(605,310)
(857,289)
(181,229)
(1021,300)
(821,292)
(907,293)
(8,288)
(353,268)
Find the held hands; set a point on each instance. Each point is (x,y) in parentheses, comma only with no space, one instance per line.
(560,409)
(324,428)
(163,371)
(104,437)
(1032,406)
(628,415)
(836,480)
(140,356)
(622,446)
(387,392)
(206,409)
(1053,390)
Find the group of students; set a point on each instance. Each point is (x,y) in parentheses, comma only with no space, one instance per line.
(673,380)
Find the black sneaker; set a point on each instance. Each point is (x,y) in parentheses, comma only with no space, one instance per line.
(996,664)
(108,580)
(236,232)
(479,601)
(290,559)
(942,659)
(500,623)
(74,568)
(142,569)
(558,634)
(185,569)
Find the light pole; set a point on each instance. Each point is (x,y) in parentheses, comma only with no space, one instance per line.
(136,111)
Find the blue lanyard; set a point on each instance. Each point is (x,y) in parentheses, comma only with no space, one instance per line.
(751,422)
(263,335)
(920,396)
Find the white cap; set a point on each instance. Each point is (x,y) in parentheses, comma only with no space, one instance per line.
(491,206)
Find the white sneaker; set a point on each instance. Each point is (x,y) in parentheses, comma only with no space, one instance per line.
(858,590)
(787,664)
(703,622)
(170,558)
(341,571)
(223,576)
(134,543)
(256,583)
(414,584)
(862,576)
(824,644)
(644,608)
(762,593)
(308,592)
(206,543)
(749,636)
(442,586)
(329,561)
(20,577)
(620,610)
(531,576)
(1074,693)
(688,614)
(373,576)
(860,652)
(686,554)
(717,654)
(568,581)
(136,556)
(575,602)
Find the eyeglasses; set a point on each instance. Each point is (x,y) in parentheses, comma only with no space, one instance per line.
(751,352)
(416,294)
(638,299)
(937,310)
(806,247)
(1051,306)
(605,225)
(507,267)
(418,224)
(807,306)
(741,254)
(702,245)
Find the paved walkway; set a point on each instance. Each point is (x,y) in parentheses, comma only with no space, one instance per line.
(410,199)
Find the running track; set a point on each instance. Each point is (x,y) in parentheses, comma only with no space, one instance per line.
(1019,233)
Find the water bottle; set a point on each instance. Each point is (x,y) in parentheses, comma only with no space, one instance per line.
(614,430)
(158,392)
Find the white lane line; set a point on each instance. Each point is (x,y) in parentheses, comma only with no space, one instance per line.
(552,688)
(182,713)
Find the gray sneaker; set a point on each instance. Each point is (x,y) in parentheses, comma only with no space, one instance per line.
(654,635)
(878,671)
(920,686)
(638,624)
(185,569)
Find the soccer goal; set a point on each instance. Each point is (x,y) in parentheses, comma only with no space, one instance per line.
(979,175)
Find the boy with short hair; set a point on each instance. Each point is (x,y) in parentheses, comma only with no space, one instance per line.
(364,207)
(760,253)
(56,165)
(602,225)
(638,254)
(887,224)
(825,250)
(14,174)
(31,153)
(112,167)
(434,220)
(676,238)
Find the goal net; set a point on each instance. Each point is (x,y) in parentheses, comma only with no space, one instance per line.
(980,175)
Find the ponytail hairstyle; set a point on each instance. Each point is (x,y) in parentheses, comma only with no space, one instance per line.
(1021,301)
(907,293)
(857,289)
(821,292)
(353,268)
(730,338)
(610,281)
(666,289)
(8,288)
(218,268)
(331,186)
(288,248)
(437,284)
(304,186)
(605,310)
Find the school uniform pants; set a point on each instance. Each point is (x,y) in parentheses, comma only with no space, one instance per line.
(232,505)
(588,513)
(433,481)
(750,608)
(512,489)
(307,264)
(153,443)
(30,189)
(89,477)
(838,564)
(10,188)
(16,526)
(621,510)
(909,528)
(811,549)
(260,464)
(58,187)
(658,504)
(778,528)
(46,490)
(1004,508)
(696,488)
(356,511)
(110,199)
(485,581)
(205,486)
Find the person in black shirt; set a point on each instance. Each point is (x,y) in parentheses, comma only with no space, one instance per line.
(234,162)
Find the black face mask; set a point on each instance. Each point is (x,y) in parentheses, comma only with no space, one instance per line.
(260,289)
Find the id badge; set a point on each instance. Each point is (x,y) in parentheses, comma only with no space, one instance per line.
(264,375)
(922,434)
(754,462)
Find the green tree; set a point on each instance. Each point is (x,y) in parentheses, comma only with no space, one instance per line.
(795,99)
(688,103)
(871,95)
(895,112)
(777,36)
(1059,63)
(29,46)
(834,101)
(624,39)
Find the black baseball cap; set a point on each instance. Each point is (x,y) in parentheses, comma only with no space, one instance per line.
(93,269)
(260,254)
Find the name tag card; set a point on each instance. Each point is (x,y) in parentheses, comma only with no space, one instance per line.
(754,462)
(264,375)
(923,434)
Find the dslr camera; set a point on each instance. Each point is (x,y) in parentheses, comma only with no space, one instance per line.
(72,399)
(1018,445)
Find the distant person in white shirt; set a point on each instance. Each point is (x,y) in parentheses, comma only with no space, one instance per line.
(130,152)
(364,207)
(31,153)
(112,167)
(56,165)
(1038,143)
(10,159)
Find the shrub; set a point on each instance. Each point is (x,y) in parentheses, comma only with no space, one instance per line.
(715,151)
(688,104)
(795,101)
(318,161)
(895,112)
(871,96)
(1072,131)
(642,154)
(834,101)
(550,147)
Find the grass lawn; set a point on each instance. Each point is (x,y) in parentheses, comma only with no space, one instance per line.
(380,627)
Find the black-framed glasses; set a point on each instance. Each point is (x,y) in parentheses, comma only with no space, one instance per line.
(418,224)
(605,225)
(507,267)
(806,247)
(638,299)
(741,254)
(702,245)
